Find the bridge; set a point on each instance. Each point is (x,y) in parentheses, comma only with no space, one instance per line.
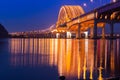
(73,19)
(45,33)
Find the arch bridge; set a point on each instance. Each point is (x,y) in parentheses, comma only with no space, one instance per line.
(74,18)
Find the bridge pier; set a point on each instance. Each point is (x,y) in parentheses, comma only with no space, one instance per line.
(95,30)
(103,32)
(78,35)
(91,32)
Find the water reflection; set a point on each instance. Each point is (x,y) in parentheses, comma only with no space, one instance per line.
(75,59)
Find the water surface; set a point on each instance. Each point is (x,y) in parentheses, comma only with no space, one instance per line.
(47,59)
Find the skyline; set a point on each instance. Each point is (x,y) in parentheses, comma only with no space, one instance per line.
(24,15)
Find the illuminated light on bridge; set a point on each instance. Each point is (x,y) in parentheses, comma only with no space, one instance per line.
(67,13)
(109,13)
(57,35)
(74,19)
(86,34)
(73,23)
(69,35)
(55,30)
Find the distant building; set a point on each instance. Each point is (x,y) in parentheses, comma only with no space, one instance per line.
(3,32)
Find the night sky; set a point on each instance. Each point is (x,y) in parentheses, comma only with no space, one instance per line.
(25,15)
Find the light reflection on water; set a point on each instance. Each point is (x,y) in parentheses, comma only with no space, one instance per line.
(74,59)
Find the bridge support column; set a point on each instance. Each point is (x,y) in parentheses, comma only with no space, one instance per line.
(78,32)
(112,30)
(95,30)
(91,32)
(103,32)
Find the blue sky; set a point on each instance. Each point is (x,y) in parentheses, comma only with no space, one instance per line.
(24,15)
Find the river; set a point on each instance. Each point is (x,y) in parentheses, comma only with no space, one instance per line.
(47,59)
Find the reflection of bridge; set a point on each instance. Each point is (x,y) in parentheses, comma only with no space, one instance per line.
(73,19)
(73,58)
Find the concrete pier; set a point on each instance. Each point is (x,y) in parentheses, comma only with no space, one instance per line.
(103,32)
(78,32)
(95,30)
